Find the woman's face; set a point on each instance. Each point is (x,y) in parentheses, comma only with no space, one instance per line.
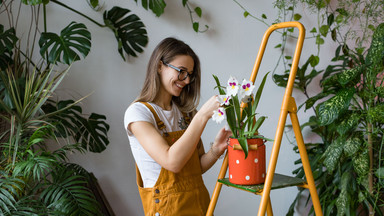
(170,82)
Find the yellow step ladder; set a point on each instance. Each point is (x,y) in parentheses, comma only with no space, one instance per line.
(274,180)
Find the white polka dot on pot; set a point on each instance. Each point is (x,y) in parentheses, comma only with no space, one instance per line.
(230,176)
(256,160)
(247,177)
(237,161)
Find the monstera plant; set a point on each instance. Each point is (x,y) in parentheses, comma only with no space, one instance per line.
(40,130)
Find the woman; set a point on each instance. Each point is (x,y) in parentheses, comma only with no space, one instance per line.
(164,131)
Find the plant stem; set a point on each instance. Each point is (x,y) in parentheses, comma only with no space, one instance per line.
(370,175)
(78,12)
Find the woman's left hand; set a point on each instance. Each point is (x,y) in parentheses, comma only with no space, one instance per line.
(221,141)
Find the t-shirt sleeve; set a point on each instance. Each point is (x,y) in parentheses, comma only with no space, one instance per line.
(137,112)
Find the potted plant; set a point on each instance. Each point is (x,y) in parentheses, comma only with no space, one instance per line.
(246,149)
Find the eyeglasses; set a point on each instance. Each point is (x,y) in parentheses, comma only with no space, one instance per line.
(183,74)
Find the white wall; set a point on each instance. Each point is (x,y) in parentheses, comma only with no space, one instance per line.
(229,47)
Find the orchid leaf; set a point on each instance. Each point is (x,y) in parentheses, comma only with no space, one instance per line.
(258,93)
(244,145)
(218,86)
(129,31)
(258,123)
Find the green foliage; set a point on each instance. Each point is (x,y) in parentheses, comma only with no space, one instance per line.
(129,31)
(43,182)
(61,48)
(156,6)
(347,111)
(242,119)
(8,41)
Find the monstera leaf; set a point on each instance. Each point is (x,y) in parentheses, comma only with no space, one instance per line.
(91,132)
(156,6)
(73,40)
(129,31)
(8,41)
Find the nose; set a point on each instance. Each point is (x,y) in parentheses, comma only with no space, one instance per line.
(187,80)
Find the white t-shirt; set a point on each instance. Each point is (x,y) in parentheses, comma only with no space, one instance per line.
(173,121)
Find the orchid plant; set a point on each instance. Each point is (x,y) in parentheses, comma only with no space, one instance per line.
(238,106)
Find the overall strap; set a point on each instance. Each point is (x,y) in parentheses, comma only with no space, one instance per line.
(160,124)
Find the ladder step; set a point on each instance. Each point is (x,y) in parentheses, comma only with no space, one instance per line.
(279,181)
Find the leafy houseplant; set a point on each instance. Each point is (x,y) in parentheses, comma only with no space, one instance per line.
(348,110)
(246,149)
(36,177)
(239,109)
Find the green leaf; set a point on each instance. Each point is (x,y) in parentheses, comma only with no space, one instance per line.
(8,41)
(348,123)
(32,2)
(198,11)
(296,17)
(330,19)
(319,40)
(314,30)
(195,26)
(361,164)
(263,16)
(244,145)
(129,31)
(314,60)
(330,110)
(334,35)
(218,85)
(352,145)
(91,132)
(380,173)
(184,2)
(311,101)
(74,40)
(342,11)
(156,6)
(349,75)
(332,155)
(324,30)
(245,14)
(258,93)
(94,3)
(69,194)
(278,46)
(339,19)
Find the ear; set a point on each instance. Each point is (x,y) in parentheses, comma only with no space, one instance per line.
(159,67)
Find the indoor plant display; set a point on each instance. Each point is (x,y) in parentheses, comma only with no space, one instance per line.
(238,107)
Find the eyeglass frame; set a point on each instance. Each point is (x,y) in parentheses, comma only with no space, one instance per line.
(190,75)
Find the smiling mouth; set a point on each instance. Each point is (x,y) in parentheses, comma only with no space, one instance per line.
(180,86)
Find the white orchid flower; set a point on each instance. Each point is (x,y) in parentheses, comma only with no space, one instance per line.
(233,86)
(245,91)
(219,115)
(223,99)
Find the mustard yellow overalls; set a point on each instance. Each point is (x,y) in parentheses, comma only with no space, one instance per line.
(180,194)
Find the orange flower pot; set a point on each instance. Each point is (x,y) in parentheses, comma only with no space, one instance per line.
(249,171)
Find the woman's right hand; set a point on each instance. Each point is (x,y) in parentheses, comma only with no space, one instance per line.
(211,105)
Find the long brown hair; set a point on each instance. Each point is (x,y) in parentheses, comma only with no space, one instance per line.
(166,51)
